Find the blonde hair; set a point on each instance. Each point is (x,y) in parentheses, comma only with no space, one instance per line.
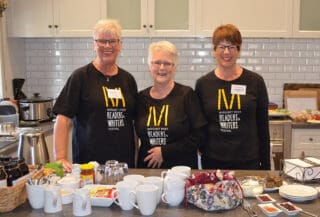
(163,46)
(107,25)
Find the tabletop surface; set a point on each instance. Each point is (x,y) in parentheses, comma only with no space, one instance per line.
(164,210)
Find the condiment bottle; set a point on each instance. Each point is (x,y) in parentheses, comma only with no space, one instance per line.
(13,172)
(87,174)
(3,177)
(23,167)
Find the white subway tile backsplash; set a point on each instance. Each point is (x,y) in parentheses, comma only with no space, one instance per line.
(312,77)
(267,60)
(46,63)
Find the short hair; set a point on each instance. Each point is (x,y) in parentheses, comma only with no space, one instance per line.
(228,32)
(163,46)
(107,25)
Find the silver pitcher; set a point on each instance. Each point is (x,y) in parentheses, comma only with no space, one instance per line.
(32,147)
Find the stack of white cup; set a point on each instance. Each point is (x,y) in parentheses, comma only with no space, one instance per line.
(174,184)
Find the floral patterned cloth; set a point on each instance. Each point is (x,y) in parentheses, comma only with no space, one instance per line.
(213,191)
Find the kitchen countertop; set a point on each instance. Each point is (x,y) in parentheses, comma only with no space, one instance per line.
(163,210)
(7,147)
(305,125)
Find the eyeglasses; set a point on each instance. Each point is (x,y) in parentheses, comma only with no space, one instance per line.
(104,42)
(159,63)
(231,48)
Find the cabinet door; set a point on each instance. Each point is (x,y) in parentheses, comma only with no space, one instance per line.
(306,22)
(77,17)
(254,18)
(30,18)
(132,15)
(153,17)
(171,18)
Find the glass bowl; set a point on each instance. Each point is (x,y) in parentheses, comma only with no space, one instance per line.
(251,185)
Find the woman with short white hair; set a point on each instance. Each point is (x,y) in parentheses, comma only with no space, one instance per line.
(169,119)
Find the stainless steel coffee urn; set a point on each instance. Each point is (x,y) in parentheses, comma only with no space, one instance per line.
(32,147)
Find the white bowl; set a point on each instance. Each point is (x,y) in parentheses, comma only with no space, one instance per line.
(70,182)
(269,209)
(265,198)
(289,208)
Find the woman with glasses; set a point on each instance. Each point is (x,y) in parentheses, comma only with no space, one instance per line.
(98,102)
(235,103)
(169,123)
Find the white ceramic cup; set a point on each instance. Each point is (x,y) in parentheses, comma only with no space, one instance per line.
(52,201)
(146,198)
(173,183)
(121,195)
(35,194)
(155,180)
(136,177)
(182,169)
(81,202)
(66,196)
(173,197)
(172,173)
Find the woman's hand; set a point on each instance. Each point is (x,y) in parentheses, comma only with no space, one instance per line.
(154,158)
(67,166)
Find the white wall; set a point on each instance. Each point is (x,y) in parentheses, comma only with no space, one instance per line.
(49,62)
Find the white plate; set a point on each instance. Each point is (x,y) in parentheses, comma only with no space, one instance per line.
(264,207)
(287,211)
(275,188)
(298,193)
(100,201)
(271,189)
(314,121)
(278,112)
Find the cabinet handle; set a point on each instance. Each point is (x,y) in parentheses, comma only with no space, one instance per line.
(151,26)
(144,26)
(49,26)
(56,26)
(310,139)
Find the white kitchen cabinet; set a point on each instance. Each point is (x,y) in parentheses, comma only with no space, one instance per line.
(306,19)
(153,17)
(254,18)
(307,140)
(48,18)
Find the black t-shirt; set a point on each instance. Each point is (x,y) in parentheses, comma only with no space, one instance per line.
(102,109)
(175,123)
(237,114)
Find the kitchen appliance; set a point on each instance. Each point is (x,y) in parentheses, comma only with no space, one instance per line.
(36,108)
(32,147)
(17,84)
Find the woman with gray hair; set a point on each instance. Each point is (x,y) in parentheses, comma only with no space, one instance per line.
(98,102)
(169,120)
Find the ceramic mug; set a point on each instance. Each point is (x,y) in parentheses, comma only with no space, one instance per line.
(121,195)
(182,169)
(173,197)
(81,202)
(155,180)
(172,173)
(173,183)
(35,194)
(52,199)
(146,198)
(136,177)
